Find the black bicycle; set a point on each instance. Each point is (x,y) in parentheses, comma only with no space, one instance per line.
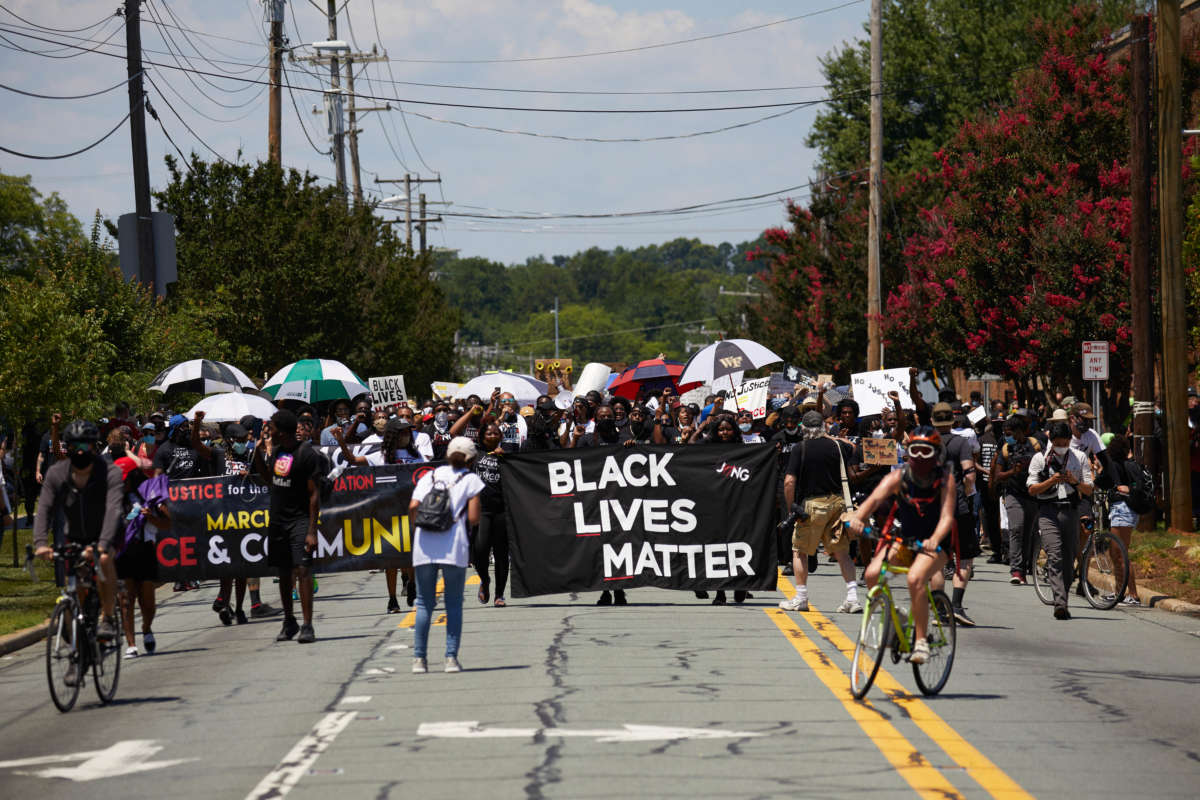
(71,644)
(1103,565)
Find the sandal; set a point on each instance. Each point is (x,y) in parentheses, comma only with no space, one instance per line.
(483,594)
(500,602)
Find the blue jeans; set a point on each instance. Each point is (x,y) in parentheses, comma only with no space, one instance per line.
(453,579)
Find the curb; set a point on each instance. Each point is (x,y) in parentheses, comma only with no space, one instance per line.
(1152,598)
(23,638)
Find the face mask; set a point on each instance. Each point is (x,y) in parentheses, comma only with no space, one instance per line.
(81,459)
(441,420)
(1083,425)
(1061,451)
(510,416)
(791,429)
(1010,439)
(380,424)
(148,438)
(606,427)
(745,427)
(240,447)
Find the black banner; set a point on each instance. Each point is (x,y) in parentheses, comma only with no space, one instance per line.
(674,517)
(219,525)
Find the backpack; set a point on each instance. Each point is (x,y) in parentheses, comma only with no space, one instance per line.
(435,512)
(1141,488)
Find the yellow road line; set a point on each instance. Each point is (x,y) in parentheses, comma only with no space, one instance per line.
(990,777)
(907,760)
(410,619)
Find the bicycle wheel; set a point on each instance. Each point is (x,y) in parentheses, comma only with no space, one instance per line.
(62,656)
(106,669)
(942,639)
(873,636)
(1041,578)
(1105,571)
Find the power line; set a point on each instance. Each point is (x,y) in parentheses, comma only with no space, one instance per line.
(154,115)
(115,128)
(65,45)
(184,122)
(511,345)
(403,118)
(71,96)
(642,48)
(58,30)
(173,48)
(300,117)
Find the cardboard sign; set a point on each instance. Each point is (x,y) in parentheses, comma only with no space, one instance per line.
(780,385)
(881,452)
(544,368)
(387,391)
(976,414)
(752,395)
(824,379)
(445,389)
(870,390)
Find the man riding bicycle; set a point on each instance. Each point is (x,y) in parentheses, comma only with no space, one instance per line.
(924,496)
(89,493)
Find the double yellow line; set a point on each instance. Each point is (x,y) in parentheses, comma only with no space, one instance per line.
(410,619)
(922,776)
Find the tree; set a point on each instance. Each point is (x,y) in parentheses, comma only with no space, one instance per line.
(284,269)
(29,222)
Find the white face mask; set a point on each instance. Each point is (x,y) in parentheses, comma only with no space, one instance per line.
(1061,451)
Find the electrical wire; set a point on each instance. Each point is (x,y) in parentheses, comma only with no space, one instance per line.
(184,123)
(72,96)
(300,117)
(403,118)
(252,110)
(115,128)
(154,114)
(707,37)
(176,52)
(65,46)
(57,30)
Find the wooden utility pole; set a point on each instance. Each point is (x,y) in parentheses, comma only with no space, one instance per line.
(421,222)
(137,137)
(874,308)
(408,180)
(1141,275)
(274,112)
(1170,232)
(353,110)
(339,155)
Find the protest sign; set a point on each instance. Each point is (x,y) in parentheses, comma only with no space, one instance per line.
(445,389)
(544,369)
(752,396)
(219,525)
(675,517)
(823,380)
(976,414)
(870,390)
(880,452)
(781,385)
(387,391)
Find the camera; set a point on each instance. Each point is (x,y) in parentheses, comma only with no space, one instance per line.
(798,515)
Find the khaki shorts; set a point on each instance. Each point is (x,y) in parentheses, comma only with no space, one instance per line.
(824,525)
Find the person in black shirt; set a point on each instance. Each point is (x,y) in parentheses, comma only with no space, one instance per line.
(784,440)
(606,434)
(640,427)
(542,427)
(290,469)
(815,477)
(491,538)
(1008,474)
(989,496)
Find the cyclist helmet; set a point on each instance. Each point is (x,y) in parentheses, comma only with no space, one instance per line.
(924,451)
(81,431)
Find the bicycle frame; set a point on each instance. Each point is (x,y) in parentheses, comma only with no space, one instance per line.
(904,627)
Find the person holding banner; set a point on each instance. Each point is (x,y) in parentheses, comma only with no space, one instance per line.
(446,550)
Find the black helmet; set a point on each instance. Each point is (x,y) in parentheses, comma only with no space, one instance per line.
(81,431)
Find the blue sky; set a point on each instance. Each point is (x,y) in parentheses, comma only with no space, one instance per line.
(483,172)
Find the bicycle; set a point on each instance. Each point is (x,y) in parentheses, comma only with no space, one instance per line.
(71,645)
(1101,554)
(883,628)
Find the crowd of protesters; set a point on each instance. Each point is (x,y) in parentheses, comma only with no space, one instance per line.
(1017,474)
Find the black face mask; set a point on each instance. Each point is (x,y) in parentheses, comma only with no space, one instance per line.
(510,416)
(117,452)
(606,427)
(81,459)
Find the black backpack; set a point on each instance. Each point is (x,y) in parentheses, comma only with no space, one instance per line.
(1141,488)
(435,512)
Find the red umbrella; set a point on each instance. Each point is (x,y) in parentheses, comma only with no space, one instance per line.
(654,373)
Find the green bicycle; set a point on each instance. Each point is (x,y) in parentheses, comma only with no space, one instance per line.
(885,628)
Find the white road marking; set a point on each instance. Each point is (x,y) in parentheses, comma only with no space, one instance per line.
(300,758)
(626,733)
(356,698)
(380,671)
(122,758)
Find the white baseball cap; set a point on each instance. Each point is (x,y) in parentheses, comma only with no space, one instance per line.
(461,444)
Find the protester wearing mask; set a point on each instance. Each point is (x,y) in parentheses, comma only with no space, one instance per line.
(783,441)
(1125,476)
(960,453)
(1009,474)
(726,432)
(543,427)
(491,537)
(1059,479)
(579,415)
(745,424)
(438,431)
(639,427)
(989,495)
(339,418)
(237,454)
(378,420)
(513,428)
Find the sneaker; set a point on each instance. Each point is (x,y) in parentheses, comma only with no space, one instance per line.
(605,598)
(226,615)
(148,642)
(219,604)
(794,603)
(419,666)
(741,596)
(849,606)
(1061,612)
(995,558)
(106,631)
(131,651)
(410,593)
(1016,578)
(263,610)
(960,614)
(619,598)
(240,616)
(719,600)
(72,675)
(1131,601)
(290,628)
(702,595)
(787,570)
(180,586)
(452,664)
(920,652)
(393,606)
(307,636)
(316,586)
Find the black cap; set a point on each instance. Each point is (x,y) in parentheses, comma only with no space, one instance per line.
(234,430)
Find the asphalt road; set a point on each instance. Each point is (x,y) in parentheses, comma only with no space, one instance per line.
(667,697)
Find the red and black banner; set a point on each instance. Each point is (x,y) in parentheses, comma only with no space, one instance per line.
(674,517)
(219,525)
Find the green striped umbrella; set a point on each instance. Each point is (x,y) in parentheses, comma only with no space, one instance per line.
(314,380)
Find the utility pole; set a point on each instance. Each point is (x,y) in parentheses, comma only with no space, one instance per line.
(874,308)
(1141,276)
(421,222)
(274,113)
(1170,232)
(408,180)
(556,326)
(354,110)
(137,136)
(339,157)
(408,209)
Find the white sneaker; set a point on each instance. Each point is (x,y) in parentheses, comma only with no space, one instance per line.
(452,664)
(920,652)
(131,651)
(794,603)
(849,606)
(419,666)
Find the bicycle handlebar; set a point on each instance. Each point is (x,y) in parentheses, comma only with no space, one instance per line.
(868,532)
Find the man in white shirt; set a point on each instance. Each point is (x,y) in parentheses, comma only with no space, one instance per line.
(1058,479)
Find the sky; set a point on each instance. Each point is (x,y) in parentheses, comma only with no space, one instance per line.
(485,174)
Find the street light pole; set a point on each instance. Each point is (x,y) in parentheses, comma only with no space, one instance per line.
(556,326)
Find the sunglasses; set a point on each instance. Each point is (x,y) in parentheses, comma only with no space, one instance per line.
(922,450)
(508,402)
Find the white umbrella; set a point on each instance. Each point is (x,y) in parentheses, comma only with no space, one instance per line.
(232,406)
(202,376)
(726,359)
(314,380)
(525,388)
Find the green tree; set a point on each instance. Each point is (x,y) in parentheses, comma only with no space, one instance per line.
(28,222)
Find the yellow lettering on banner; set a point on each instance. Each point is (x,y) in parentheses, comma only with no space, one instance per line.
(391,536)
(407,535)
(258,519)
(351,547)
(215,523)
(243,519)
